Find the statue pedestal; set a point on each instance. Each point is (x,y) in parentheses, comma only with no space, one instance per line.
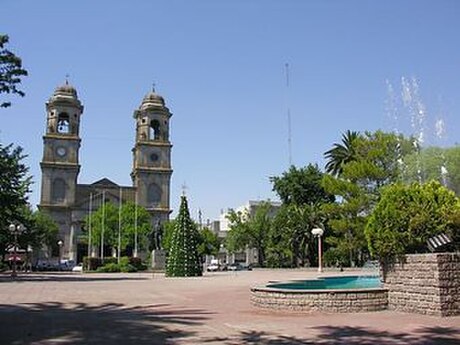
(158,259)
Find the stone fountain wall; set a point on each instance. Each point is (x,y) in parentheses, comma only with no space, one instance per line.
(425,284)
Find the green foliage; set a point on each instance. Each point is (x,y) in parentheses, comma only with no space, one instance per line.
(40,230)
(128,229)
(209,243)
(183,259)
(301,186)
(107,217)
(429,161)
(357,188)
(168,229)
(14,185)
(110,264)
(250,230)
(136,262)
(342,153)
(109,268)
(11,71)
(91,264)
(291,243)
(406,216)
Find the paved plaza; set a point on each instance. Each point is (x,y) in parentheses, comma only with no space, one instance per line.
(142,308)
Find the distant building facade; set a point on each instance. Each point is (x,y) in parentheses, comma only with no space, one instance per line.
(223,225)
(69,202)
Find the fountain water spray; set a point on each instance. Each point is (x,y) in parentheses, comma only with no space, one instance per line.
(416,109)
(393,115)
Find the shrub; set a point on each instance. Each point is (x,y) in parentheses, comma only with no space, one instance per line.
(128,268)
(109,268)
(110,260)
(137,263)
(91,264)
(406,216)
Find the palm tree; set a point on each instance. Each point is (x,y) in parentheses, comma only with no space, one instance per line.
(342,153)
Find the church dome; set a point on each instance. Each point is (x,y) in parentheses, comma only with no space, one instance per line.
(66,93)
(152,99)
(66,90)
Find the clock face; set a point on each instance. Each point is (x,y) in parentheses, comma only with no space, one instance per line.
(61,151)
(154,157)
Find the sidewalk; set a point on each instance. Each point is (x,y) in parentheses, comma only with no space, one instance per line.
(145,308)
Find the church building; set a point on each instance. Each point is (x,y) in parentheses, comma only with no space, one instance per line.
(69,202)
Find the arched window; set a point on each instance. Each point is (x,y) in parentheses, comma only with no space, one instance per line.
(153,195)
(63,124)
(154,130)
(58,191)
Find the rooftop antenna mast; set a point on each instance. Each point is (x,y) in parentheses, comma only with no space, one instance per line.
(286,65)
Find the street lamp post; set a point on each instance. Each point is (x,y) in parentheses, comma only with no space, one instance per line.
(318,232)
(60,243)
(15,230)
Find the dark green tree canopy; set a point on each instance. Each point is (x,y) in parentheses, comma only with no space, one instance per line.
(14,186)
(11,71)
(407,215)
(301,186)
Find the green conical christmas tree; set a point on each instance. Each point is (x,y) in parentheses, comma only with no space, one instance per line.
(183,259)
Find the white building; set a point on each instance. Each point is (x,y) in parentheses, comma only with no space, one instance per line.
(222,227)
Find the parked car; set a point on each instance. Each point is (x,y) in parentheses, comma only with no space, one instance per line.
(67,265)
(212,267)
(236,266)
(239,266)
(78,268)
(247,267)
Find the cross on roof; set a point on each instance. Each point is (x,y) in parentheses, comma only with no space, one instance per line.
(184,189)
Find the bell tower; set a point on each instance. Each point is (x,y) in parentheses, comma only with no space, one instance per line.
(60,164)
(152,157)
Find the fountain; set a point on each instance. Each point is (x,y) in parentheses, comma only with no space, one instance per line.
(408,105)
(343,294)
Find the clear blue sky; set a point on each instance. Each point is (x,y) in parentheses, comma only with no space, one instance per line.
(220,67)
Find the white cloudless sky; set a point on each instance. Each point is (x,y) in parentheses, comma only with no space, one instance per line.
(220,65)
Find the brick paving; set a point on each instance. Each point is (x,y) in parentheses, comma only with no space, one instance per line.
(142,308)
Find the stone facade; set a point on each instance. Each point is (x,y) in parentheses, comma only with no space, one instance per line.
(69,202)
(425,284)
(333,301)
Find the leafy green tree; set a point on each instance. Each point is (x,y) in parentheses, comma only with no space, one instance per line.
(128,226)
(301,186)
(341,153)
(39,229)
(430,161)
(209,243)
(104,225)
(291,238)
(14,185)
(11,71)
(168,229)
(250,230)
(357,189)
(183,259)
(43,230)
(407,215)
(106,220)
